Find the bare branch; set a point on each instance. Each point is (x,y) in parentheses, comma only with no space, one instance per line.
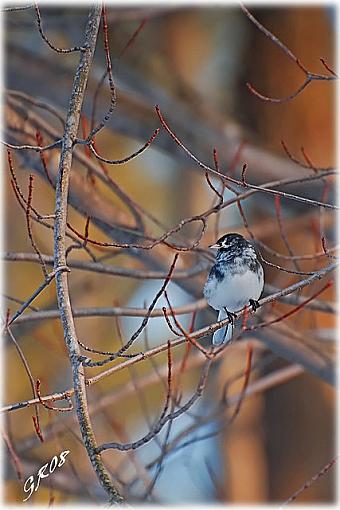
(264,188)
(310,482)
(62,186)
(310,77)
(47,41)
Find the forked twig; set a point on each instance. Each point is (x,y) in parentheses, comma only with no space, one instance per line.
(310,77)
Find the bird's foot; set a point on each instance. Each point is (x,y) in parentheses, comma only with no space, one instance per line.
(231,316)
(254,304)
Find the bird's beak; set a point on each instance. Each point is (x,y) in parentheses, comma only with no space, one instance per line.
(214,246)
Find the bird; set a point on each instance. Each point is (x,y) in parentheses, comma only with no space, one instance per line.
(235,280)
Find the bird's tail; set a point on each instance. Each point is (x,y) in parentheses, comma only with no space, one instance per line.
(223,335)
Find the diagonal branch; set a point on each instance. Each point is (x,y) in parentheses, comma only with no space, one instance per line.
(280,348)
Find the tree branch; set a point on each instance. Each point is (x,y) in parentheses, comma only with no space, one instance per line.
(64,303)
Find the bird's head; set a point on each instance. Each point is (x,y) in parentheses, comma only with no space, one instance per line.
(227,241)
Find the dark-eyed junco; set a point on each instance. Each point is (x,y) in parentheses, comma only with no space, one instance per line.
(235,280)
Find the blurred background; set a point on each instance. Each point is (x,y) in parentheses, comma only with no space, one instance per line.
(195,63)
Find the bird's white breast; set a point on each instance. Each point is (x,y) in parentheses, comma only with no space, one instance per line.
(234,291)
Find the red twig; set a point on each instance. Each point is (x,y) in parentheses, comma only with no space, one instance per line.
(326,189)
(136,334)
(310,482)
(188,346)
(272,252)
(193,341)
(113,95)
(169,383)
(40,142)
(325,249)
(244,219)
(28,223)
(45,38)
(211,186)
(13,455)
(279,100)
(127,158)
(217,168)
(293,311)
(170,326)
(16,188)
(107,353)
(133,37)
(82,245)
(285,270)
(309,75)
(84,128)
(295,160)
(23,204)
(107,52)
(154,242)
(236,157)
(36,293)
(329,69)
(263,188)
(167,418)
(247,372)
(95,98)
(192,323)
(308,160)
(36,418)
(37,428)
(274,39)
(283,231)
(219,193)
(48,406)
(85,131)
(245,318)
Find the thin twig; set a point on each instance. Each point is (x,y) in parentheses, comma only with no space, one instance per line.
(310,77)
(145,321)
(45,38)
(48,406)
(13,455)
(29,374)
(263,188)
(36,293)
(97,267)
(310,482)
(29,229)
(127,159)
(160,424)
(36,148)
(113,96)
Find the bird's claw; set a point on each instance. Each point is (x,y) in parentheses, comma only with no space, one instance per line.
(231,316)
(254,304)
